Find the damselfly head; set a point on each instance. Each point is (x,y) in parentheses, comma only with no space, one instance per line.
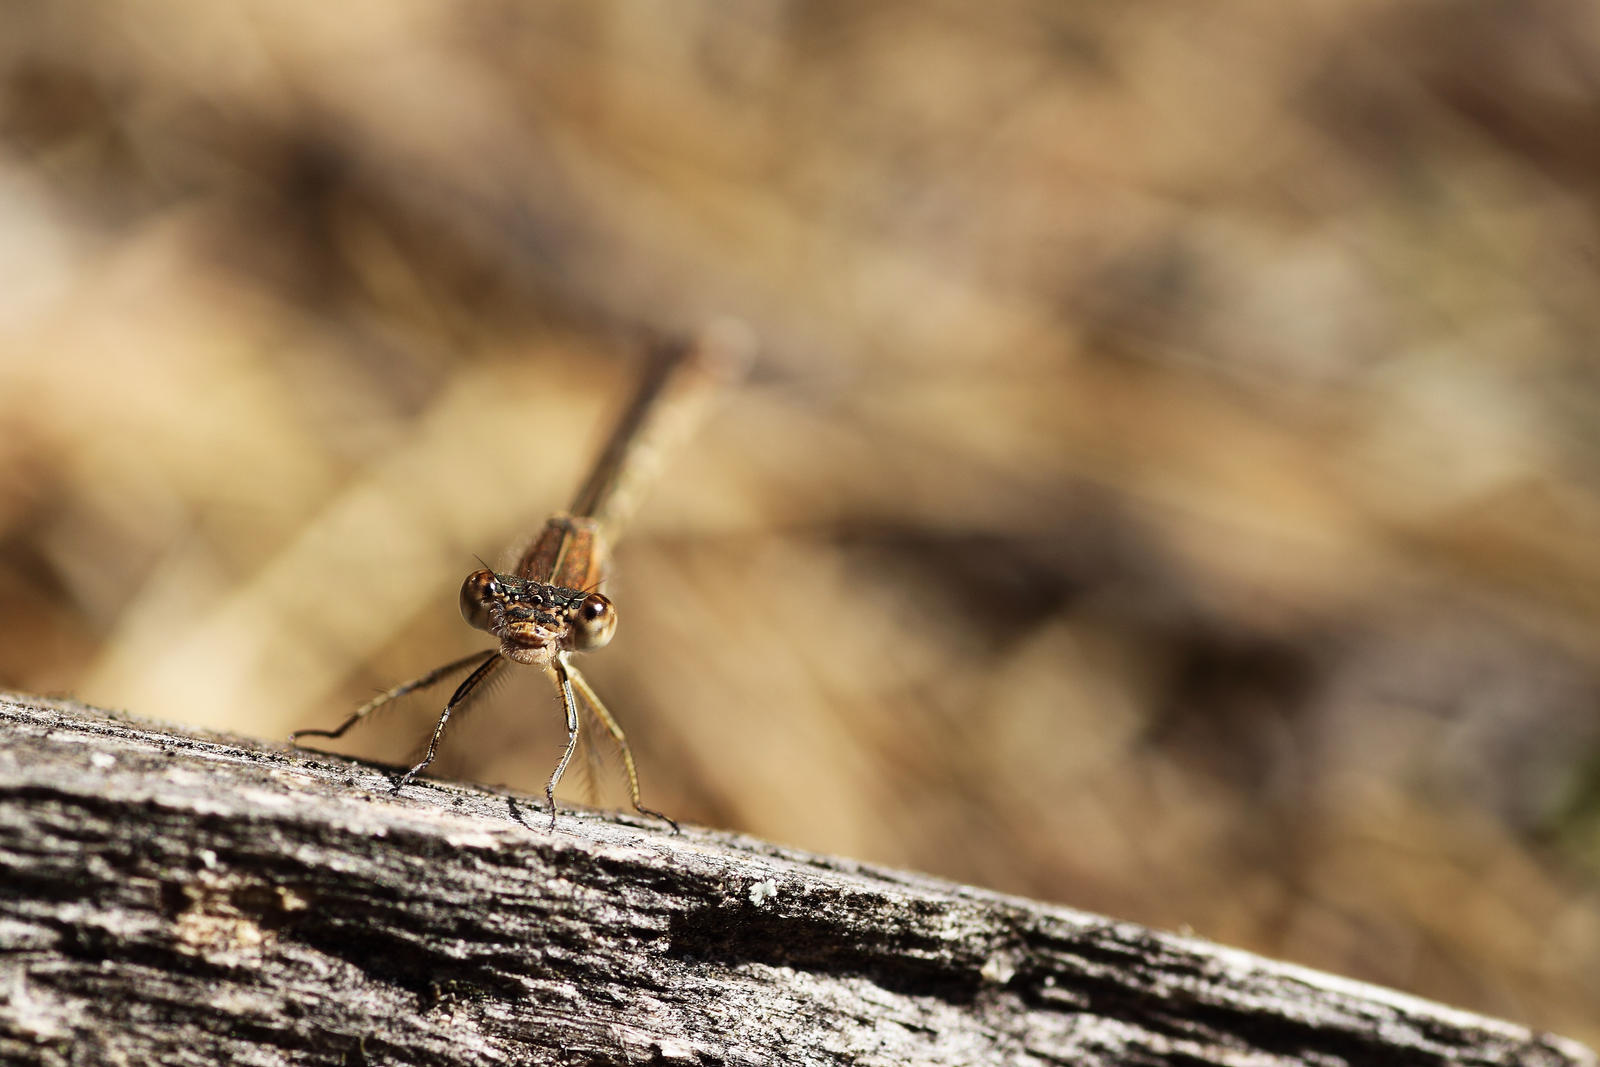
(533,620)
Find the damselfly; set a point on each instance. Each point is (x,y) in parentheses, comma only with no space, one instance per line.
(550,604)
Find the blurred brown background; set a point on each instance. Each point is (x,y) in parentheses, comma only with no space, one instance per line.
(1170,482)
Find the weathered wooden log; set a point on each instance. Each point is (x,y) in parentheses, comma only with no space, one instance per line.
(174,897)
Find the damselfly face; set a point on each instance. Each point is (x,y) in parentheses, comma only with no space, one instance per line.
(534,621)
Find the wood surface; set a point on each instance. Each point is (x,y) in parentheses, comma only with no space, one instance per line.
(169,896)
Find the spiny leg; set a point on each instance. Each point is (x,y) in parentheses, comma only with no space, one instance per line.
(383,698)
(564,674)
(617,735)
(486,669)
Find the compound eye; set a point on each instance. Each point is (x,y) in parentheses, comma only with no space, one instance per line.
(480,590)
(594,622)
